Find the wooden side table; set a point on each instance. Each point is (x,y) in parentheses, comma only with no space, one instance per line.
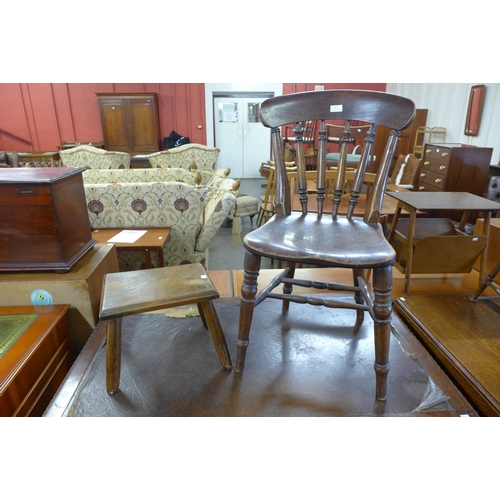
(154,239)
(135,292)
(36,354)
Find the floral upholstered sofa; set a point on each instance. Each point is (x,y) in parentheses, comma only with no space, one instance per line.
(94,158)
(190,157)
(141,198)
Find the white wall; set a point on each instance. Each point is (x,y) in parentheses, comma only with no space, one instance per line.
(447,104)
(210,88)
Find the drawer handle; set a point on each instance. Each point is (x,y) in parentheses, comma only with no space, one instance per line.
(444,154)
(442,167)
(437,181)
(423,175)
(27,192)
(421,188)
(426,162)
(428,150)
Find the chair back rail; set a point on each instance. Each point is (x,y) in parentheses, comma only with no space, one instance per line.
(340,105)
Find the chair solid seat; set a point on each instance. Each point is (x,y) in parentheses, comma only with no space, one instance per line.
(292,233)
(328,240)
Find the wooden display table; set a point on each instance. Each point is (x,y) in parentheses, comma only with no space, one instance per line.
(154,239)
(36,354)
(464,338)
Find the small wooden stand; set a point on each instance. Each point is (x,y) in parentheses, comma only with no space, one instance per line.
(135,292)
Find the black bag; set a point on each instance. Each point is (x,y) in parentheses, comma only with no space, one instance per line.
(175,140)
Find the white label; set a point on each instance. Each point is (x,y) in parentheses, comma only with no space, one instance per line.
(319,87)
(336,108)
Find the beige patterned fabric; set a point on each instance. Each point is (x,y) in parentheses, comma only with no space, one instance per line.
(205,157)
(93,158)
(139,175)
(194,213)
(191,156)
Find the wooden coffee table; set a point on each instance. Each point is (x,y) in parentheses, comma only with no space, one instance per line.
(153,239)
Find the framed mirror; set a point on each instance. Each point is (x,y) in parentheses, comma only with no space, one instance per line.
(475,109)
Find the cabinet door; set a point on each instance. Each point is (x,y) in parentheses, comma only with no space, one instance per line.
(143,130)
(114,125)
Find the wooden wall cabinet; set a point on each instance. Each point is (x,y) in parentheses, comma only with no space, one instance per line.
(130,122)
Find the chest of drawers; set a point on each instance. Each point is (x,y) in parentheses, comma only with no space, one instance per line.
(455,167)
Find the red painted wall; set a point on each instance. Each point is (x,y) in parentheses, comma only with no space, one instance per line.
(40,116)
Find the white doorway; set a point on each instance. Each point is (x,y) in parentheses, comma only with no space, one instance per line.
(243,141)
(233,125)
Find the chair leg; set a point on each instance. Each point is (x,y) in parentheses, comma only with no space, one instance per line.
(382,310)
(251,268)
(113,354)
(214,327)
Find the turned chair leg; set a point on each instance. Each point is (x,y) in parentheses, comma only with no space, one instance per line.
(247,303)
(382,310)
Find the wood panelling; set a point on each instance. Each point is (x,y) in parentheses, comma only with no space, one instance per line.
(40,116)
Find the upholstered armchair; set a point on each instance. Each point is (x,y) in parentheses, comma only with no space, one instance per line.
(94,158)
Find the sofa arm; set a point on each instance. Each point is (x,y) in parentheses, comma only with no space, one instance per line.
(217,209)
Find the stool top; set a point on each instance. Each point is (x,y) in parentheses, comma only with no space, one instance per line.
(134,292)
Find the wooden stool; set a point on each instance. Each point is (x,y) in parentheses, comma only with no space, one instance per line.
(135,292)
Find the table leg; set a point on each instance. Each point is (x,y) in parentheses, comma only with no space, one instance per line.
(147,253)
(394,223)
(484,253)
(113,354)
(409,248)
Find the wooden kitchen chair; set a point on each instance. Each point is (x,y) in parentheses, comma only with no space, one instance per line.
(328,240)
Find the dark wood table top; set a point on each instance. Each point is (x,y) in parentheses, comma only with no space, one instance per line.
(444,200)
(154,237)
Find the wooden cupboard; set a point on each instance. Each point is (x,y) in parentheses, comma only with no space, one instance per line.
(130,122)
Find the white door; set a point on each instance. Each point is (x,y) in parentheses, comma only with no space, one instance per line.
(243,141)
